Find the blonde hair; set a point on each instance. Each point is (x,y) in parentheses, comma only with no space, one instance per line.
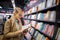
(18,10)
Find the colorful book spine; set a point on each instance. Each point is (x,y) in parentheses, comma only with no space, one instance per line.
(44,28)
(39,37)
(47,26)
(42,16)
(33,23)
(53,16)
(47,16)
(49,3)
(32,31)
(52,31)
(38,17)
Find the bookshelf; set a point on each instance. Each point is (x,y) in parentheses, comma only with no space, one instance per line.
(46,9)
(50,22)
(53,9)
(43,34)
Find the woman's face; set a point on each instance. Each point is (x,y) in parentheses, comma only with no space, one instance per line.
(18,16)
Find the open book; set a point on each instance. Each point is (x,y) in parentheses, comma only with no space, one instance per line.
(26,27)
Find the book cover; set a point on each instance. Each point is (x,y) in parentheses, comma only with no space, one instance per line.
(39,37)
(36,33)
(49,30)
(40,6)
(29,29)
(28,36)
(53,16)
(49,3)
(33,16)
(52,31)
(58,34)
(47,16)
(39,26)
(33,23)
(42,16)
(28,11)
(26,17)
(58,2)
(43,5)
(43,38)
(32,31)
(38,17)
(47,38)
(47,26)
(54,2)
(44,28)
(29,17)
(25,22)
(33,9)
(25,13)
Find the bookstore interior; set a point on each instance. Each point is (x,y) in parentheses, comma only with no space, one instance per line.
(41,18)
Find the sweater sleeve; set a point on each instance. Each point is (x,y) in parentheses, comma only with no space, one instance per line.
(7,32)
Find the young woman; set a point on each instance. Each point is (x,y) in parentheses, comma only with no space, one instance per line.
(13,27)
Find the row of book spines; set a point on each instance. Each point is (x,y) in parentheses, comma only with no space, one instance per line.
(39,36)
(38,8)
(45,28)
(49,16)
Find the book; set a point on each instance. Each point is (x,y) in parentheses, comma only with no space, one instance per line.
(47,26)
(43,4)
(52,16)
(47,16)
(28,11)
(33,16)
(40,6)
(29,29)
(39,37)
(26,27)
(29,17)
(43,38)
(25,22)
(1,19)
(26,17)
(39,26)
(28,36)
(49,3)
(38,17)
(33,23)
(58,2)
(42,16)
(44,28)
(52,31)
(36,33)
(33,9)
(58,34)
(32,31)
(54,2)
(47,38)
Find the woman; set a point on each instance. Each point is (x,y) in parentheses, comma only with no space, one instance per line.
(13,27)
